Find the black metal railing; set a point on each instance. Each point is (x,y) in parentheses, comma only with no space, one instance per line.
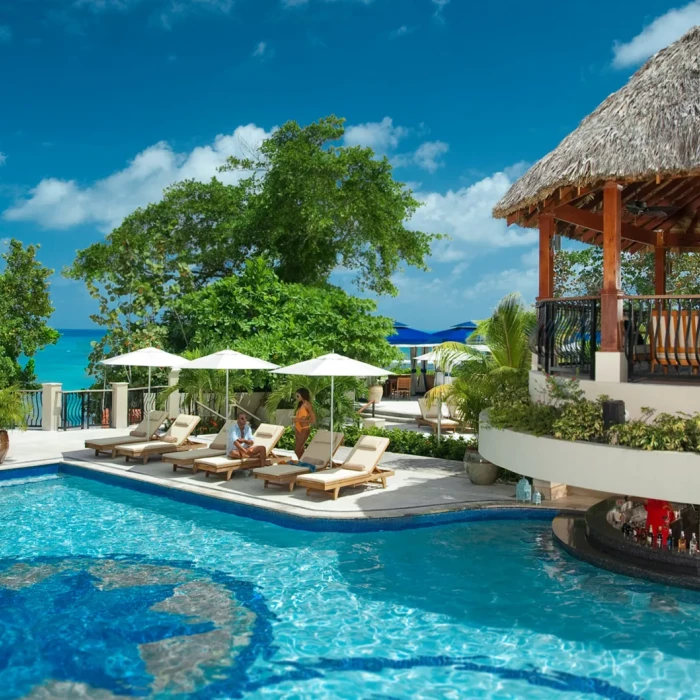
(33,407)
(567,335)
(139,401)
(662,333)
(86,409)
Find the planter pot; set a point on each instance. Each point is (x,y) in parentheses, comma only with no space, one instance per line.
(376,392)
(480,471)
(429,382)
(4,445)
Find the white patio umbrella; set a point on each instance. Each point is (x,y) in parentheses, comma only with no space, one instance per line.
(333,365)
(228,360)
(147,357)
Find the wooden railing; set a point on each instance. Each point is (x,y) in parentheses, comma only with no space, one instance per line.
(662,333)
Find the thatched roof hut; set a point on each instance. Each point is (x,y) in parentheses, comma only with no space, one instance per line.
(646,137)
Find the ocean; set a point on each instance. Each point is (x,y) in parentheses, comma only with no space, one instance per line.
(66,361)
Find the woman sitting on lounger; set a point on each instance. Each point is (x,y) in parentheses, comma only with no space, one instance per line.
(240,442)
(304,418)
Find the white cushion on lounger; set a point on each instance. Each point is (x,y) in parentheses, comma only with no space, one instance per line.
(190,455)
(328,476)
(281,470)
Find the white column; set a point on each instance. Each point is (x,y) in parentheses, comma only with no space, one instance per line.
(120,405)
(50,405)
(173,407)
(611,367)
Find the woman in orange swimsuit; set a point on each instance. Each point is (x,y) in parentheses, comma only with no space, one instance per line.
(304,418)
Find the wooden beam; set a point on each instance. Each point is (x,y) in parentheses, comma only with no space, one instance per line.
(611,294)
(693,223)
(595,222)
(659,265)
(546,257)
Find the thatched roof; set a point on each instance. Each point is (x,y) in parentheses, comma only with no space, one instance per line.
(648,128)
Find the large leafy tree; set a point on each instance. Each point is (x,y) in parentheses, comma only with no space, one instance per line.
(256,313)
(25,308)
(309,206)
(313,206)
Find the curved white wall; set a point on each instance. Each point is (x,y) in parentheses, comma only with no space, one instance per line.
(673,476)
(663,398)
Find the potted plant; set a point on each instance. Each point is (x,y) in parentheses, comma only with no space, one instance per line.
(480,471)
(11,416)
(375,393)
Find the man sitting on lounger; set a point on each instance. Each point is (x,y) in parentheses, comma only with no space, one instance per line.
(240,442)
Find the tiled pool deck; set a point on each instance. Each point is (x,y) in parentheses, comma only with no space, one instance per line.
(420,486)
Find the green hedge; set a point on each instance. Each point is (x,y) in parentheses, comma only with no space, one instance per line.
(406,442)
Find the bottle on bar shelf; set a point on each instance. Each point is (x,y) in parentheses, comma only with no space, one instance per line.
(669,541)
(681,542)
(650,536)
(659,540)
(693,549)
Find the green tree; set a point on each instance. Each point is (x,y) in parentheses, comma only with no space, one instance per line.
(478,377)
(25,307)
(580,272)
(258,314)
(314,206)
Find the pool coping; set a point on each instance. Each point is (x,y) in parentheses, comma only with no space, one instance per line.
(234,505)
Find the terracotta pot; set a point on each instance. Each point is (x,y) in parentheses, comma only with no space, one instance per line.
(376,392)
(4,445)
(480,471)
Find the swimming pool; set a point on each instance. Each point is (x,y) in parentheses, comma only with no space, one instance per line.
(112,592)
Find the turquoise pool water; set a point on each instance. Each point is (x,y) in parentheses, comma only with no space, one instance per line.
(109,592)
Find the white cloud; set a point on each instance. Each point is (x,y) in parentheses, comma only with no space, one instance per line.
(664,30)
(428,154)
(260,50)
(441,4)
(5,33)
(403,30)
(531,258)
(491,288)
(3,158)
(465,216)
(299,3)
(380,136)
(60,204)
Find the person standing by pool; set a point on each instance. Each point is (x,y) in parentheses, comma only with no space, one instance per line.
(240,443)
(304,418)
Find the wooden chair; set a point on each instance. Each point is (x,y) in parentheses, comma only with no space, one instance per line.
(675,339)
(403,386)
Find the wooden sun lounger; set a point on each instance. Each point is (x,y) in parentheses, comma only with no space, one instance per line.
(317,453)
(186,459)
(109,445)
(429,418)
(358,469)
(267,435)
(174,440)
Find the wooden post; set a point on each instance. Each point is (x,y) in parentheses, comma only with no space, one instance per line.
(546,257)
(659,265)
(610,297)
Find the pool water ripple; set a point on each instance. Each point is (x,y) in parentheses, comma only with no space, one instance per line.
(479,610)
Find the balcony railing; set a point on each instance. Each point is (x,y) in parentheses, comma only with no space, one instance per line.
(86,409)
(33,407)
(567,335)
(662,333)
(140,400)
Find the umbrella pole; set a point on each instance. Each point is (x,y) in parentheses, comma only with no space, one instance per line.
(439,417)
(332,392)
(228,409)
(148,413)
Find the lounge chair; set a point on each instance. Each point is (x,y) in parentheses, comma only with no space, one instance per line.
(317,453)
(175,439)
(429,417)
(266,435)
(185,460)
(109,445)
(358,469)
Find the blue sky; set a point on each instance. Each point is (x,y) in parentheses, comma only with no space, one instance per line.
(105,102)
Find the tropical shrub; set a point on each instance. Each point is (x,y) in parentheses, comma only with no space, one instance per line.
(12,409)
(481,376)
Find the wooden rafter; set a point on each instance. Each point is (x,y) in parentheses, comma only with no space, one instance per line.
(581,217)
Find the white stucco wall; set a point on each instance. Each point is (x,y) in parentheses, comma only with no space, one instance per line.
(674,476)
(664,398)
